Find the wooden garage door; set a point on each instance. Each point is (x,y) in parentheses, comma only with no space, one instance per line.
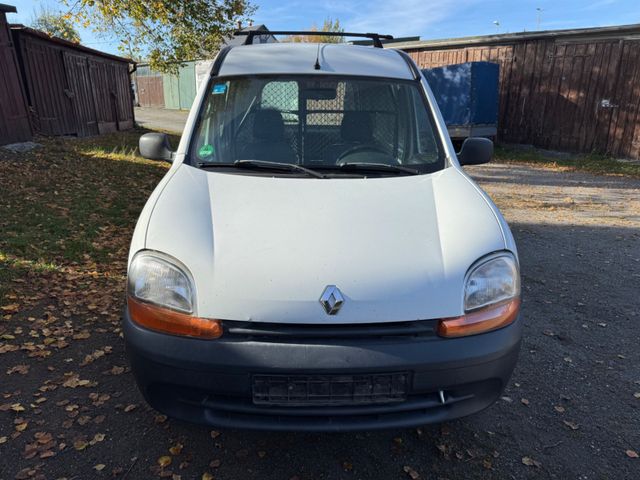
(79,79)
(14,121)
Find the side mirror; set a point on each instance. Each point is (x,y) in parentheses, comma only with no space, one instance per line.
(155,146)
(475,151)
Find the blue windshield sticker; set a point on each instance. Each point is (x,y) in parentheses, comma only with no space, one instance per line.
(219,88)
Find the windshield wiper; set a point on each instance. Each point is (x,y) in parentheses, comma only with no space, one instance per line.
(378,166)
(291,167)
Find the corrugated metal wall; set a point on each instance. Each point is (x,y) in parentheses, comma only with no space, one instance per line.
(577,95)
(14,120)
(72,91)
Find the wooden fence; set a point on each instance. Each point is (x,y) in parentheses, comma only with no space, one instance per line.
(573,90)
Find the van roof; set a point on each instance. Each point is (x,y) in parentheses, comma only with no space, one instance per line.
(300,58)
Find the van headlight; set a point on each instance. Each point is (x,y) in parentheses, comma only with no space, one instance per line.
(158,280)
(491,297)
(161,297)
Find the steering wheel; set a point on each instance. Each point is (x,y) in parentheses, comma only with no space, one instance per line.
(360,149)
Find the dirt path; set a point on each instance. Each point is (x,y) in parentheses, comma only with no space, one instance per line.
(572,410)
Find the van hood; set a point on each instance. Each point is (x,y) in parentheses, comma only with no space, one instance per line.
(264,248)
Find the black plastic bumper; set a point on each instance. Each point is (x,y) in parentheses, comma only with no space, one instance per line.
(210,381)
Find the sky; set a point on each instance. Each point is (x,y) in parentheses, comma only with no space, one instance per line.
(429,19)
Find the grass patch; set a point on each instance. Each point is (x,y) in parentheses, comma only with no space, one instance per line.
(592,163)
(72,204)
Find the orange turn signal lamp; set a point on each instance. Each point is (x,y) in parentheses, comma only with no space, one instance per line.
(480,321)
(169,321)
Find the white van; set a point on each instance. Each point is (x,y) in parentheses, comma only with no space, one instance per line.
(316,258)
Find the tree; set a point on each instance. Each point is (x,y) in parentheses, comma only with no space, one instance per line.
(166,32)
(55,24)
(329,25)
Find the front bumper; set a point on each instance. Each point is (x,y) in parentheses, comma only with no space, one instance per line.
(210,381)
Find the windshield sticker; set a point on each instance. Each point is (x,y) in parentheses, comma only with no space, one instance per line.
(206,150)
(219,88)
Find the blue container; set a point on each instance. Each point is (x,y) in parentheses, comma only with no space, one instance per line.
(467,95)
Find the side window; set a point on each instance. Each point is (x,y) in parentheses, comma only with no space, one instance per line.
(283,97)
(427,145)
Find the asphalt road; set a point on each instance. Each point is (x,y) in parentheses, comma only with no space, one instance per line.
(171,121)
(569,412)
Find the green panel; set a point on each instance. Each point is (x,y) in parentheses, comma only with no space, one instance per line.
(171,88)
(187,85)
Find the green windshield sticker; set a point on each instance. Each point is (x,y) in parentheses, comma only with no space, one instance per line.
(219,88)
(206,150)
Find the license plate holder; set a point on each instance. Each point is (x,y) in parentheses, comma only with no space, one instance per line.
(330,390)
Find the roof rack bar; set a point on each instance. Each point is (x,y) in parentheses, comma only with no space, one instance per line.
(376,37)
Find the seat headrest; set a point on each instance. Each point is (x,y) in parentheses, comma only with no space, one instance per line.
(268,125)
(356,127)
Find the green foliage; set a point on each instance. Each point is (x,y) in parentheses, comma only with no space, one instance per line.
(55,24)
(165,32)
(329,25)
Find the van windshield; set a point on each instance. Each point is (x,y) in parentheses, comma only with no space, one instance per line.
(319,123)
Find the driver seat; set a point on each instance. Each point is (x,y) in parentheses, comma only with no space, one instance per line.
(269,142)
(356,129)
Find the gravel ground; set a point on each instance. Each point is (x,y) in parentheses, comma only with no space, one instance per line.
(571,411)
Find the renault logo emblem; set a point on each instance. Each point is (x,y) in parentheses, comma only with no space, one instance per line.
(331,299)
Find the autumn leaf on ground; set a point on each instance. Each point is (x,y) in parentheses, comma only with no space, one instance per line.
(164,461)
(207,476)
(99,467)
(411,472)
(632,454)
(80,444)
(530,462)
(13,307)
(130,408)
(176,449)
(21,369)
(571,425)
(22,426)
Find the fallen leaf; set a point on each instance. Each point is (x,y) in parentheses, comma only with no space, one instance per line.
(21,427)
(631,454)
(130,408)
(21,369)
(636,395)
(571,425)
(164,461)
(559,408)
(3,440)
(524,401)
(530,462)
(215,463)
(215,434)
(80,445)
(176,449)
(99,467)
(207,476)
(411,472)
(12,307)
